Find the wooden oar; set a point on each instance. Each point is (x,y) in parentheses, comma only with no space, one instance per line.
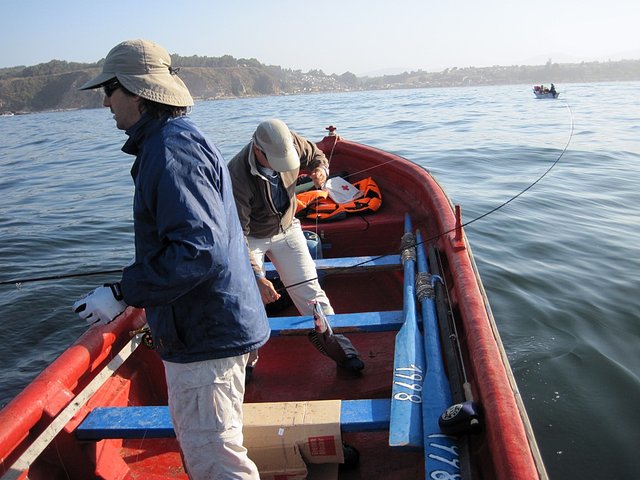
(405,428)
(440,450)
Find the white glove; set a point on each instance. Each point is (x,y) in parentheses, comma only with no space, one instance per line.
(102,305)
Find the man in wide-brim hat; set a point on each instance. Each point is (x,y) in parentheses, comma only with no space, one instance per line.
(191,271)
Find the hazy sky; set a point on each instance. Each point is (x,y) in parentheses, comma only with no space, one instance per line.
(360,36)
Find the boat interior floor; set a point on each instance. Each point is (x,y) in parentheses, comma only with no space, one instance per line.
(279,377)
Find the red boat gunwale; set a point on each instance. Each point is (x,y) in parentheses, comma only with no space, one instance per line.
(514,455)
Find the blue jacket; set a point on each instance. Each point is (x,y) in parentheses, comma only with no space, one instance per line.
(191,271)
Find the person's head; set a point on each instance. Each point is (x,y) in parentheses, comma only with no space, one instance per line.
(137,77)
(273,143)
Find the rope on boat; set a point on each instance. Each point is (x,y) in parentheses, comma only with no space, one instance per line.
(408,247)
(425,288)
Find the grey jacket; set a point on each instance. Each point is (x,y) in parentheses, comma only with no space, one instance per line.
(258,215)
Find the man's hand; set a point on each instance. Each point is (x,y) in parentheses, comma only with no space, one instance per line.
(319,177)
(102,305)
(268,293)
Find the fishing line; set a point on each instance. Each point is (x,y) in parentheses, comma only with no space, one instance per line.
(462,225)
(18,282)
(527,188)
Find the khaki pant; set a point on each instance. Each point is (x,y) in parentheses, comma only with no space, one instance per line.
(205,402)
(289,253)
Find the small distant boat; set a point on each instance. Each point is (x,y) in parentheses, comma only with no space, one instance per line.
(540,91)
(437,398)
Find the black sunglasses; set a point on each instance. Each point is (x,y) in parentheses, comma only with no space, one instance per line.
(111,87)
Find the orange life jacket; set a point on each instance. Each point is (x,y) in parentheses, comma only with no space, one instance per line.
(317,205)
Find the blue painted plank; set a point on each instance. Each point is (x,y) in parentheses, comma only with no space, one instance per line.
(365,415)
(354,264)
(155,421)
(344,322)
(440,450)
(126,422)
(405,429)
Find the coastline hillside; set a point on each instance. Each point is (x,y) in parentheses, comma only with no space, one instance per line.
(54,85)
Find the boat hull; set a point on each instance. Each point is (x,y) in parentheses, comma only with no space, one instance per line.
(290,369)
(546,95)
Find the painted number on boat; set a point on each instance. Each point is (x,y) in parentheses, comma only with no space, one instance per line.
(411,379)
(446,454)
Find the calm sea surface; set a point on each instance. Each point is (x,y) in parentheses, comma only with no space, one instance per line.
(561,263)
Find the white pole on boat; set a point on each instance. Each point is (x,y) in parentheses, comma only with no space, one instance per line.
(46,437)
(405,427)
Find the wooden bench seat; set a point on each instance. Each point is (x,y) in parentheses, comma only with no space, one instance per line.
(353,264)
(155,422)
(340,323)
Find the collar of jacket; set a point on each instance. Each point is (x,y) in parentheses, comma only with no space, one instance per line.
(136,134)
(253,163)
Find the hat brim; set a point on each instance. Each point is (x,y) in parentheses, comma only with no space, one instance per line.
(164,88)
(290,161)
(98,81)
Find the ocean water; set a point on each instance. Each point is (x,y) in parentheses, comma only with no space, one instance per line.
(560,261)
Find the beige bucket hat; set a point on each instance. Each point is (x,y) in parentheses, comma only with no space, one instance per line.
(143,68)
(274,138)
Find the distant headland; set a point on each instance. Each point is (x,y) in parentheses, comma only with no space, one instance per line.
(54,85)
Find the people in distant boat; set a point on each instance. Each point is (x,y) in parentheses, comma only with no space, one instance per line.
(264,175)
(542,90)
(191,271)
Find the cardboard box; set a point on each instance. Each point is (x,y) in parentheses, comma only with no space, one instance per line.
(279,463)
(282,437)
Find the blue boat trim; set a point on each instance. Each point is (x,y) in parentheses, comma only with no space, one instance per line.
(354,264)
(344,322)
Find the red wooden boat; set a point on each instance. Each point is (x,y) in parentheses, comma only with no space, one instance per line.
(98,411)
